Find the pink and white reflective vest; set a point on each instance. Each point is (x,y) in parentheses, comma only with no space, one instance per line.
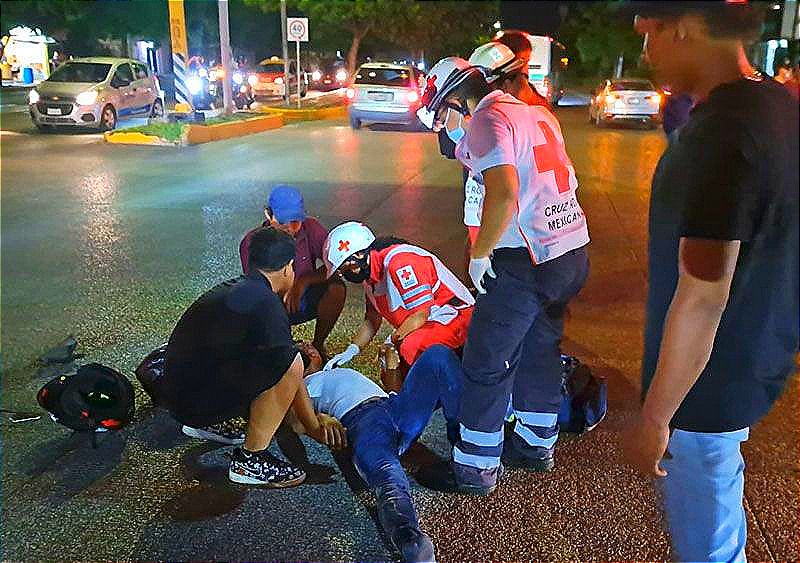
(548,221)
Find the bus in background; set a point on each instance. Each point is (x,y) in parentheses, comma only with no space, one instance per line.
(548,58)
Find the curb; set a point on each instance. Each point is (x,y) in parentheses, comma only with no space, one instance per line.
(198,134)
(134,138)
(307,114)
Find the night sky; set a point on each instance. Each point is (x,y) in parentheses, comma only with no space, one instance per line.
(537,17)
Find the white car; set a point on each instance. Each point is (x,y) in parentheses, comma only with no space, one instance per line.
(626,100)
(384,93)
(95,93)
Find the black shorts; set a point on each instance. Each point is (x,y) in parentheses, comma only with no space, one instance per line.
(204,393)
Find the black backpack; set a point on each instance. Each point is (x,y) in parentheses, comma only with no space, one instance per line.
(95,396)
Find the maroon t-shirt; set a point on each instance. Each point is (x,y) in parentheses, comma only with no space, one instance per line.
(309,241)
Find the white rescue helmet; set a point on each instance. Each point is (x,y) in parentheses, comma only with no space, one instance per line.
(344,241)
(443,78)
(498,60)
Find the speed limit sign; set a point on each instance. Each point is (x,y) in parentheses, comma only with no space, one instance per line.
(297,29)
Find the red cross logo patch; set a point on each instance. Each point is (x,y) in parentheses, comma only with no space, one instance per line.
(407,277)
(344,246)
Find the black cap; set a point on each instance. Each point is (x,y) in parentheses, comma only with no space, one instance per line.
(270,249)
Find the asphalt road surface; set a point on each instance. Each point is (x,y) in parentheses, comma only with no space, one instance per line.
(111,243)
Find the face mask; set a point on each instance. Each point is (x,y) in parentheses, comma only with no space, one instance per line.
(362,274)
(458,132)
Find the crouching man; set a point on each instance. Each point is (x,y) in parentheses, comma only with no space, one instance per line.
(382,427)
(231,354)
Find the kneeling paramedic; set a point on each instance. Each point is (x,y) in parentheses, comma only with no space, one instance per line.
(528,262)
(231,354)
(425,303)
(382,427)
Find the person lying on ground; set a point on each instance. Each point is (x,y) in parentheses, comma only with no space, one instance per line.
(381,427)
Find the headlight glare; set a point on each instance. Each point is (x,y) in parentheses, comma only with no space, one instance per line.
(86,98)
(194,84)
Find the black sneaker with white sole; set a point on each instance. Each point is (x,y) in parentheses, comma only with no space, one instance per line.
(229,432)
(263,469)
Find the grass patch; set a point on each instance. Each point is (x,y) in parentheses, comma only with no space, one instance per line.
(168,131)
(238,116)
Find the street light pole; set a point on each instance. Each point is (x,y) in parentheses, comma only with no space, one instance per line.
(225,47)
(285,54)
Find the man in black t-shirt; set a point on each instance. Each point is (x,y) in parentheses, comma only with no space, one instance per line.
(722,309)
(231,354)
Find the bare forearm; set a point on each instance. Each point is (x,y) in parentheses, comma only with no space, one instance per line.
(689,332)
(366,332)
(316,277)
(303,410)
(412,323)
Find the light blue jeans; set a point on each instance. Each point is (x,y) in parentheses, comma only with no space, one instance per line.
(703,494)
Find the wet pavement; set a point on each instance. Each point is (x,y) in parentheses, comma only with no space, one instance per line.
(111,243)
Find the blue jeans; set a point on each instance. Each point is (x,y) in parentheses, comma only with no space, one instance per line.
(513,348)
(703,493)
(381,430)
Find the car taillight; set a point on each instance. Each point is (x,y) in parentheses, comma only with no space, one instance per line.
(413,96)
(655,98)
(351,93)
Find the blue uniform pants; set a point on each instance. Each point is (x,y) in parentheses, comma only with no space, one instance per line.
(703,493)
(380,431)
(513,348)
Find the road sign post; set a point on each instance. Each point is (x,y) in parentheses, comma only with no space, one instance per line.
(180,54)
(297,31)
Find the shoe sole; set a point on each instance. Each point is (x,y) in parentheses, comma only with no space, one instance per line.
(593,426)
(245,480)
(211,437)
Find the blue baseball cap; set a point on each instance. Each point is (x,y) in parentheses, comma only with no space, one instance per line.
(287,204)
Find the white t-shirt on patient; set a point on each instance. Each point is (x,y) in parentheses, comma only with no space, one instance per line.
(337,391)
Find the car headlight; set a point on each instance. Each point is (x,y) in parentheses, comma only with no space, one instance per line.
(316,75)
(252,80)
(238,78)
(341,75)
(194,84)
(279,80)
(33,97)
(86,98)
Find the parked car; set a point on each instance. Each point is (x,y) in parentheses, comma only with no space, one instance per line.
(95,93)
(268,79)
(626,99)
(330,75)
(384,93)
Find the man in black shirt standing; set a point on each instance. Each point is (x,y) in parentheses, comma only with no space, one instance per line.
(231,354)
(722,309)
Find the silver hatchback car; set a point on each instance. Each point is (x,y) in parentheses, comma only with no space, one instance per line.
(384,93)
(95,93)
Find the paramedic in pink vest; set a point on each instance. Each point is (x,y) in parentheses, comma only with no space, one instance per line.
(528,261)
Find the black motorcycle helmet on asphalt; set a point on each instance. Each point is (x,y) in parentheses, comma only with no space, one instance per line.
(95,396)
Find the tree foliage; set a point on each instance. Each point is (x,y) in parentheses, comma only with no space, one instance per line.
(600,35)
(435,28)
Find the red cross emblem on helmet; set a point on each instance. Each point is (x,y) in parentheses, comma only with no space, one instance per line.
(344,246)
(430,90)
